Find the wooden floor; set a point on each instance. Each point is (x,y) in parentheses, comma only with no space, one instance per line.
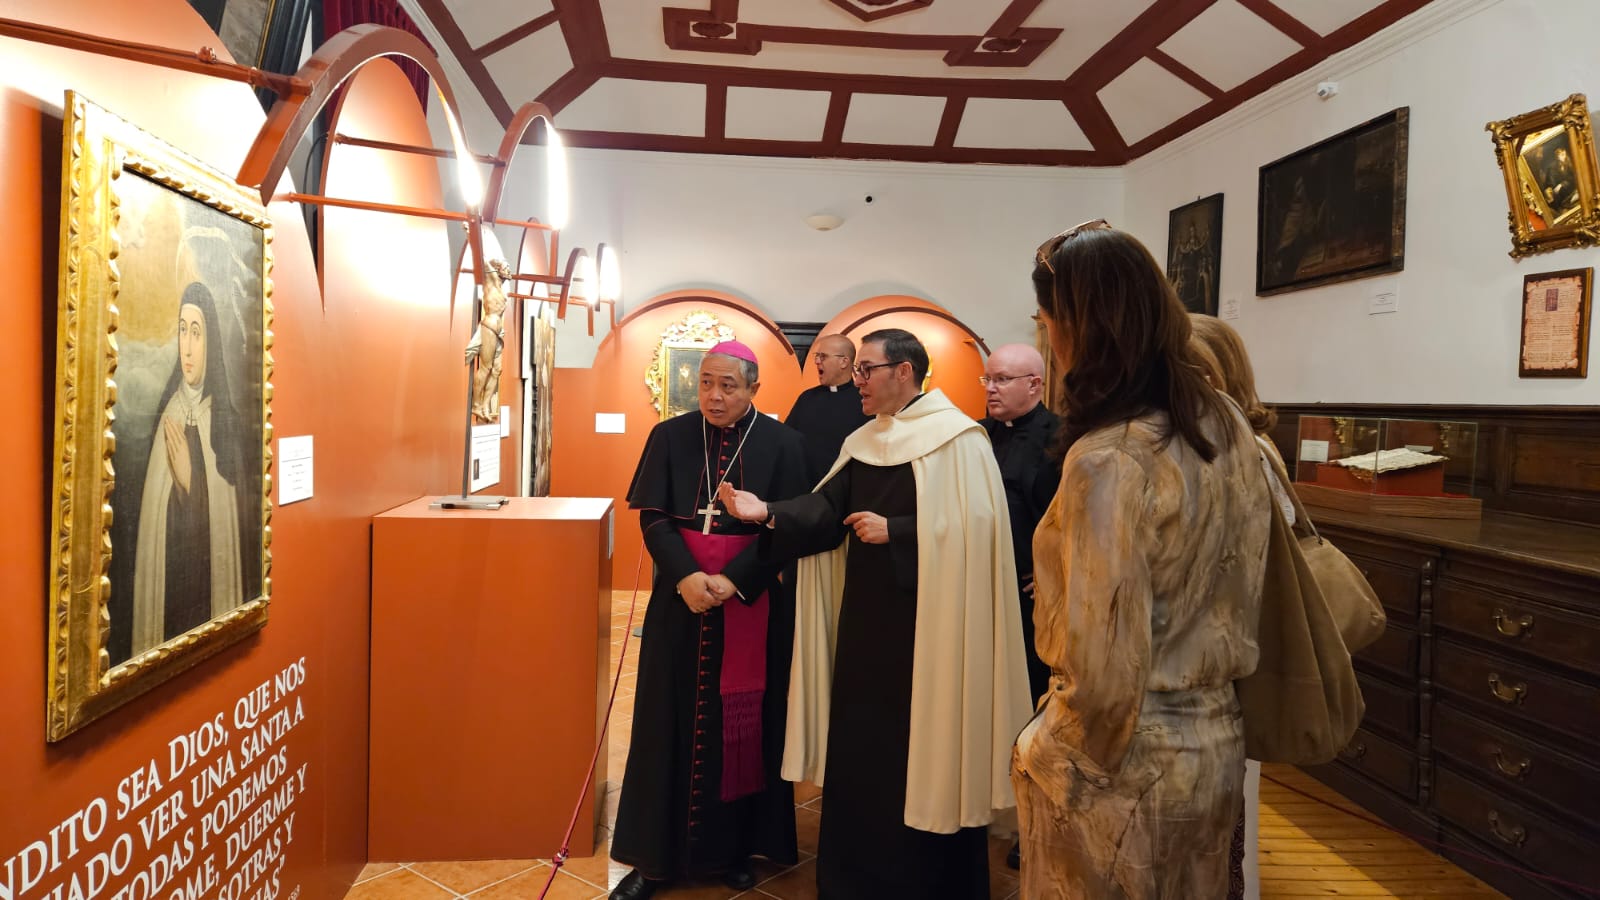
(1311,849)
(1308,848)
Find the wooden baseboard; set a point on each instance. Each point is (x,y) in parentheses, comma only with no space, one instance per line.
(1390,504)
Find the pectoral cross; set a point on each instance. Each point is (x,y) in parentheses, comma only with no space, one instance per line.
(709,512)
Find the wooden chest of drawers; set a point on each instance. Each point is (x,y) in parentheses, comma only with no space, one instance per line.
(1482,732)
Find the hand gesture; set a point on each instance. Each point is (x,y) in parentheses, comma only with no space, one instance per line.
(695,589)
(178,454)
(870,527)
(742,504)
(1027,587)
(721,587)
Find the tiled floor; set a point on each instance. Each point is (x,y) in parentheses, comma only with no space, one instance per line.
(1307,848)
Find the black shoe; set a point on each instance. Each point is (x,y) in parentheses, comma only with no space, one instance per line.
(1014,856)
(635,886)
(740,878)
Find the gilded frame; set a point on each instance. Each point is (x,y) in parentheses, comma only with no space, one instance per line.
(1549,211)
(154,242)
(674,374)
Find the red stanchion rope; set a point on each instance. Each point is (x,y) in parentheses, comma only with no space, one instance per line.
(1454,848)
(560,858)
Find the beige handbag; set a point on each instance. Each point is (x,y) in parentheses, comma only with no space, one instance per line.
(1302,704)
(1351,600)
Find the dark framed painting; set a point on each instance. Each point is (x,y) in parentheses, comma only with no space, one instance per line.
(1194,253)
(162,432)
(265,34)
(1335,211)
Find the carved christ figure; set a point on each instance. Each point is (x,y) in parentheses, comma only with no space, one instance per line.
(486,344)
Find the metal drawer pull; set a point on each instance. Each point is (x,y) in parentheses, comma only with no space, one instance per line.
(1515,836)
(1518,770)
(1353,751)
(1506,693)
(1512,628)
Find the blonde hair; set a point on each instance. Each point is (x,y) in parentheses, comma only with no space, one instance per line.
(1219,348)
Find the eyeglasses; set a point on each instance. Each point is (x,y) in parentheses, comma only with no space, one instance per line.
(1049,248)
(864,372)
(1002,380)
(819,357)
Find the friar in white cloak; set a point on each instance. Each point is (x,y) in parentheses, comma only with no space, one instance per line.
(909,683)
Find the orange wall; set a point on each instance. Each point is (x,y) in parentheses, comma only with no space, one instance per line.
(372,370)
(954,360)
(586,464)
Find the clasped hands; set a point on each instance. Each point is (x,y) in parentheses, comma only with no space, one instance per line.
(701,592)
(870,527)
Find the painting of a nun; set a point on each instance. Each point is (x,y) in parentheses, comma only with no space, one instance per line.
(187,560)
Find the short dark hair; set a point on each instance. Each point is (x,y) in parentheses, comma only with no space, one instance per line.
(901,346)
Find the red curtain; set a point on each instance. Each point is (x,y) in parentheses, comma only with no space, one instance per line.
(337,15)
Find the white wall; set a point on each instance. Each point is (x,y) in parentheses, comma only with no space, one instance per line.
(961,236)
(1458,64)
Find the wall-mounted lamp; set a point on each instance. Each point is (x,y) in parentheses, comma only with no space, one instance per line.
(824,221)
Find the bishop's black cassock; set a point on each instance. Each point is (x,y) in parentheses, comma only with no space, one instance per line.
(685,756)
(825,415)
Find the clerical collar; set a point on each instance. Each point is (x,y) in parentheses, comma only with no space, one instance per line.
(739,423)
(833,389)
(1026,417)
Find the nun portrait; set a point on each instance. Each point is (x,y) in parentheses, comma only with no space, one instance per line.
(187,556)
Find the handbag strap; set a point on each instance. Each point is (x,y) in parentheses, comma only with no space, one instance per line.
(1275,468)
(1276,465)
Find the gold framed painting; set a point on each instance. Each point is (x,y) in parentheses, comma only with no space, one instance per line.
(674,374)
(162,519)
(1548,159)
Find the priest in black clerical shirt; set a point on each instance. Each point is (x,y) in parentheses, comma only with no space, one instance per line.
(827,413)
(1022,430)
(703,790)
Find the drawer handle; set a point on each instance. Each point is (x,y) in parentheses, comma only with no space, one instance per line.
(1515,836)
(1353,751)
(1505,692)
(1512,628)
(1518,770)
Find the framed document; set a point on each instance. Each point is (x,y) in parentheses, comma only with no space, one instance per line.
(1555,324)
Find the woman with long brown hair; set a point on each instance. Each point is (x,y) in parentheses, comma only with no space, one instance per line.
(1148,570)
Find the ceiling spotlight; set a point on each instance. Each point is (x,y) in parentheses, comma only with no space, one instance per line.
(824,222)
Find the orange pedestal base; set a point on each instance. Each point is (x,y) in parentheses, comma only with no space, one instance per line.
(490,644)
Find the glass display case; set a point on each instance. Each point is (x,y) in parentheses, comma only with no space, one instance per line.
(1413,467)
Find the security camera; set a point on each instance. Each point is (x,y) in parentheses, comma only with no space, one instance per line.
(869,198)
(1327,89)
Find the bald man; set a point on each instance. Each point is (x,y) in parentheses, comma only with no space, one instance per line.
(826,414)
(1022,431)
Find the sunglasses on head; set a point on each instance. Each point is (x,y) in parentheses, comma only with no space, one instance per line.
(1049,247)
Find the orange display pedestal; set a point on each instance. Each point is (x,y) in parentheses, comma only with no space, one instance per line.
(490,644)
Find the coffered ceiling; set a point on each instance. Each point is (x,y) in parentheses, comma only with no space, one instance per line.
(1054,82)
